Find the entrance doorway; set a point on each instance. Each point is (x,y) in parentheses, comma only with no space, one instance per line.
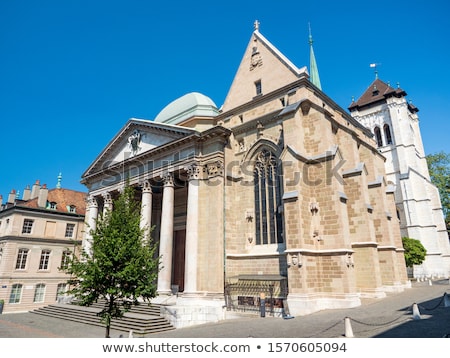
(179,250)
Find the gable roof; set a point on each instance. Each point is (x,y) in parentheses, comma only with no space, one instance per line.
(261,63)
(376,93)
(162,133)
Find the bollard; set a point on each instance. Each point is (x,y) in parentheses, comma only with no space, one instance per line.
(430,283)
(262,305)
(130,335)
(416,312)
(348,328)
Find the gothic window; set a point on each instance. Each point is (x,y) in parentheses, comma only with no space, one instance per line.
(378,138)
(267,188)
(387,134)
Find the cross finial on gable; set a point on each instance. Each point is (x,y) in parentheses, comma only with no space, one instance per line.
(256,25)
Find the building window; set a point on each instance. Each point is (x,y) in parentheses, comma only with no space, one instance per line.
(72,209)
(16,293)
(1,254)
(45,258)
(267,187)
(258,87)
(39,293)
(65,259)
(21,261)
(378,138)
(27,226)
(60,290)
(69,230)
(51,205)
(387,133)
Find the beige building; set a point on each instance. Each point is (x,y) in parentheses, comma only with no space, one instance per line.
(37,233)
(278,194)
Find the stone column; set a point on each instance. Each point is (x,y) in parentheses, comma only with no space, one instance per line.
(146,208)
(91,223)
(166,237)
(191,258)
(107,203)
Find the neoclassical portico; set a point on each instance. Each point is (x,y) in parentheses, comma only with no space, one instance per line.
(168,185)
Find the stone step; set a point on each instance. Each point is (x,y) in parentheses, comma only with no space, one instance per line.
(143,320)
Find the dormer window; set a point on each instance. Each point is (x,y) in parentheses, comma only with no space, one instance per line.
(72,209)
(51,205)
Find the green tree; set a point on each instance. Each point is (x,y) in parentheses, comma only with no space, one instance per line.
(122,266)
(439,168)
(415,252)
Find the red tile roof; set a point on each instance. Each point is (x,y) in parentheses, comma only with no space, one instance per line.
(378,91)
(63,198)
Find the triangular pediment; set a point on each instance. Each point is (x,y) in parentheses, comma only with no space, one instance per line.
(262,64)
(137,137)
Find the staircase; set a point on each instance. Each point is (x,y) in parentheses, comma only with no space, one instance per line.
(141,319)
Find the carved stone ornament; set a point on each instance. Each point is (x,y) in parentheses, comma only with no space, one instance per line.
(134,140)
(193,171)
(256,59)
(214,169)
(295,260)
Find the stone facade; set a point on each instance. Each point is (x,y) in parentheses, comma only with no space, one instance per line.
(36,233)
(278,196)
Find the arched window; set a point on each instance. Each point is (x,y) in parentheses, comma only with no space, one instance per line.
(267,187)
(387,134)
(378,138)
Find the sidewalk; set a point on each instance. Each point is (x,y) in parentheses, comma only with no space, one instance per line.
(391,316)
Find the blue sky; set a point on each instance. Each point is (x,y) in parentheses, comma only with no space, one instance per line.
(73,72)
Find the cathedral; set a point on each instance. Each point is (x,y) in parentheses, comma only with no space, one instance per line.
(277,199)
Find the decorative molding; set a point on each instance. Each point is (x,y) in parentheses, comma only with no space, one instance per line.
(214,169)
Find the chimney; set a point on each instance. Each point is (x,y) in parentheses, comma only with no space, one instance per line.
(35,190)
(26,193)
(12,196)
(1,200)
(42,198)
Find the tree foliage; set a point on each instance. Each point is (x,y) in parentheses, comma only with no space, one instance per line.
(439,168)
(122,266)
(415,252)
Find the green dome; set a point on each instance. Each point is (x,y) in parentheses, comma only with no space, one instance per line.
(190,105)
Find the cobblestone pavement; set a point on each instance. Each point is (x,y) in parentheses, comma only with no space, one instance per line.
(392,316)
